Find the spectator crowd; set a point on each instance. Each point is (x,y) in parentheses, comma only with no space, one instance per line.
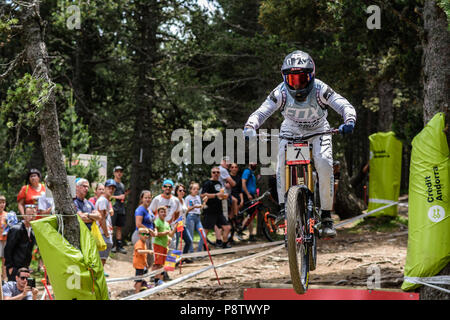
(164,222)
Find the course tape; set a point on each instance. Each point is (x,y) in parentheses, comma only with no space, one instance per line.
(365,215)
(430,281)
(195,273)
(381,201)
(147,275)
(195,255)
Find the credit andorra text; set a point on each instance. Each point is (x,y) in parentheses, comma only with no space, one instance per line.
(228,309)
(437,194)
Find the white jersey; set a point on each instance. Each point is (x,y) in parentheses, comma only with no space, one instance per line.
(305,117)
(308,114)
(172,204)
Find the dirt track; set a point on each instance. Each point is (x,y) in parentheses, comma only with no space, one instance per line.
(348,261)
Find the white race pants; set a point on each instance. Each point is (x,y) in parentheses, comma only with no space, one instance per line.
(323,162)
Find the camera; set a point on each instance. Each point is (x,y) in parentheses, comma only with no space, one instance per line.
(31,282)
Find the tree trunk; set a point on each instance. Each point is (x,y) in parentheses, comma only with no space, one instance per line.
(347,204)
(37,56)
(436,52)
(436,68)
(385,113)
(147,18)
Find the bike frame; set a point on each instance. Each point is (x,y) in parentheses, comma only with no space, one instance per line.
(305,172)
(256,206)
(293,174)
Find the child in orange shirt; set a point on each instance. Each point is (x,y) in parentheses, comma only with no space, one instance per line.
(140,256)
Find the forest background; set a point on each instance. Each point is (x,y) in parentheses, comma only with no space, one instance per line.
(126,74)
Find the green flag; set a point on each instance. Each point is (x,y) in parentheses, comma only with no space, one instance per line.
(428,223)
(73,274)
(385,169)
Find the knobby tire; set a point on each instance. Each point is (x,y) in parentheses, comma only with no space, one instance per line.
(298,253)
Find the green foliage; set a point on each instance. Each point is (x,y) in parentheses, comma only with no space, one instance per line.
(445,5)
(211,66)
(75,140)
(75,136)
(25,100)
(14,160)
(89,172)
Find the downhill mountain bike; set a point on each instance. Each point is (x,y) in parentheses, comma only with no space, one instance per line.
(302,208)
(272,228)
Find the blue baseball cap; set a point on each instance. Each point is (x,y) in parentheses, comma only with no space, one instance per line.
(168,181)
(110,182)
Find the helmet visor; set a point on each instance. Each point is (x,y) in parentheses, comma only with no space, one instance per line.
(298,80)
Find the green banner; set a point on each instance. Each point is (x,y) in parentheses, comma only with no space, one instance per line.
(428,223)
(73,274)
(385,169)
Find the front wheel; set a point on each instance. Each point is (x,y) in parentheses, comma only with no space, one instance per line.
(298,251)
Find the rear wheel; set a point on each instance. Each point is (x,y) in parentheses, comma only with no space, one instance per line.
(298,251)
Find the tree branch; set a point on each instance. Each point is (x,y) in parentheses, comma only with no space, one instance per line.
(12,64)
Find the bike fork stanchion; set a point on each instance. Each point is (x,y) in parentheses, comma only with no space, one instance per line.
(210,258)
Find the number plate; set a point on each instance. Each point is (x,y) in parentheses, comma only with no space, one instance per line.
(297,153)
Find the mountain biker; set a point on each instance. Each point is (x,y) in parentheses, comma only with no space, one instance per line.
(303,101)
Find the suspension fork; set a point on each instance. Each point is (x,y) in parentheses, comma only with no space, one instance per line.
(309,214)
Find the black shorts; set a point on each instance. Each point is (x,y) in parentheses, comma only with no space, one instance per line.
(118,220)
(214,219)
(237,198)
(140,272)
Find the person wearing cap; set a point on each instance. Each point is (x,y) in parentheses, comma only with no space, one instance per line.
(20,243)
(168,200)
(30,193)
(140,254)
(103,206)
(119,217)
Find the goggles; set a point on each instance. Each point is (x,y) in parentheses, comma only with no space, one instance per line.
(298,79)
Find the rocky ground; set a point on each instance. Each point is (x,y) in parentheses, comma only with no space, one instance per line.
(358,252)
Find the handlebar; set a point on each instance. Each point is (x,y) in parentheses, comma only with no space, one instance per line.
(253,201)
(300,138)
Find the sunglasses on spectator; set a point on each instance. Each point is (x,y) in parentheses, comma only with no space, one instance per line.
(181,190)
(144,234)
(214,172)
(169,186)
(23,278)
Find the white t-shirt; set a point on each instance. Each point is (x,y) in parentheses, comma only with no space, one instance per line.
(172,205)
(183,209)
(193,201)
(224,174)
(103,204)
